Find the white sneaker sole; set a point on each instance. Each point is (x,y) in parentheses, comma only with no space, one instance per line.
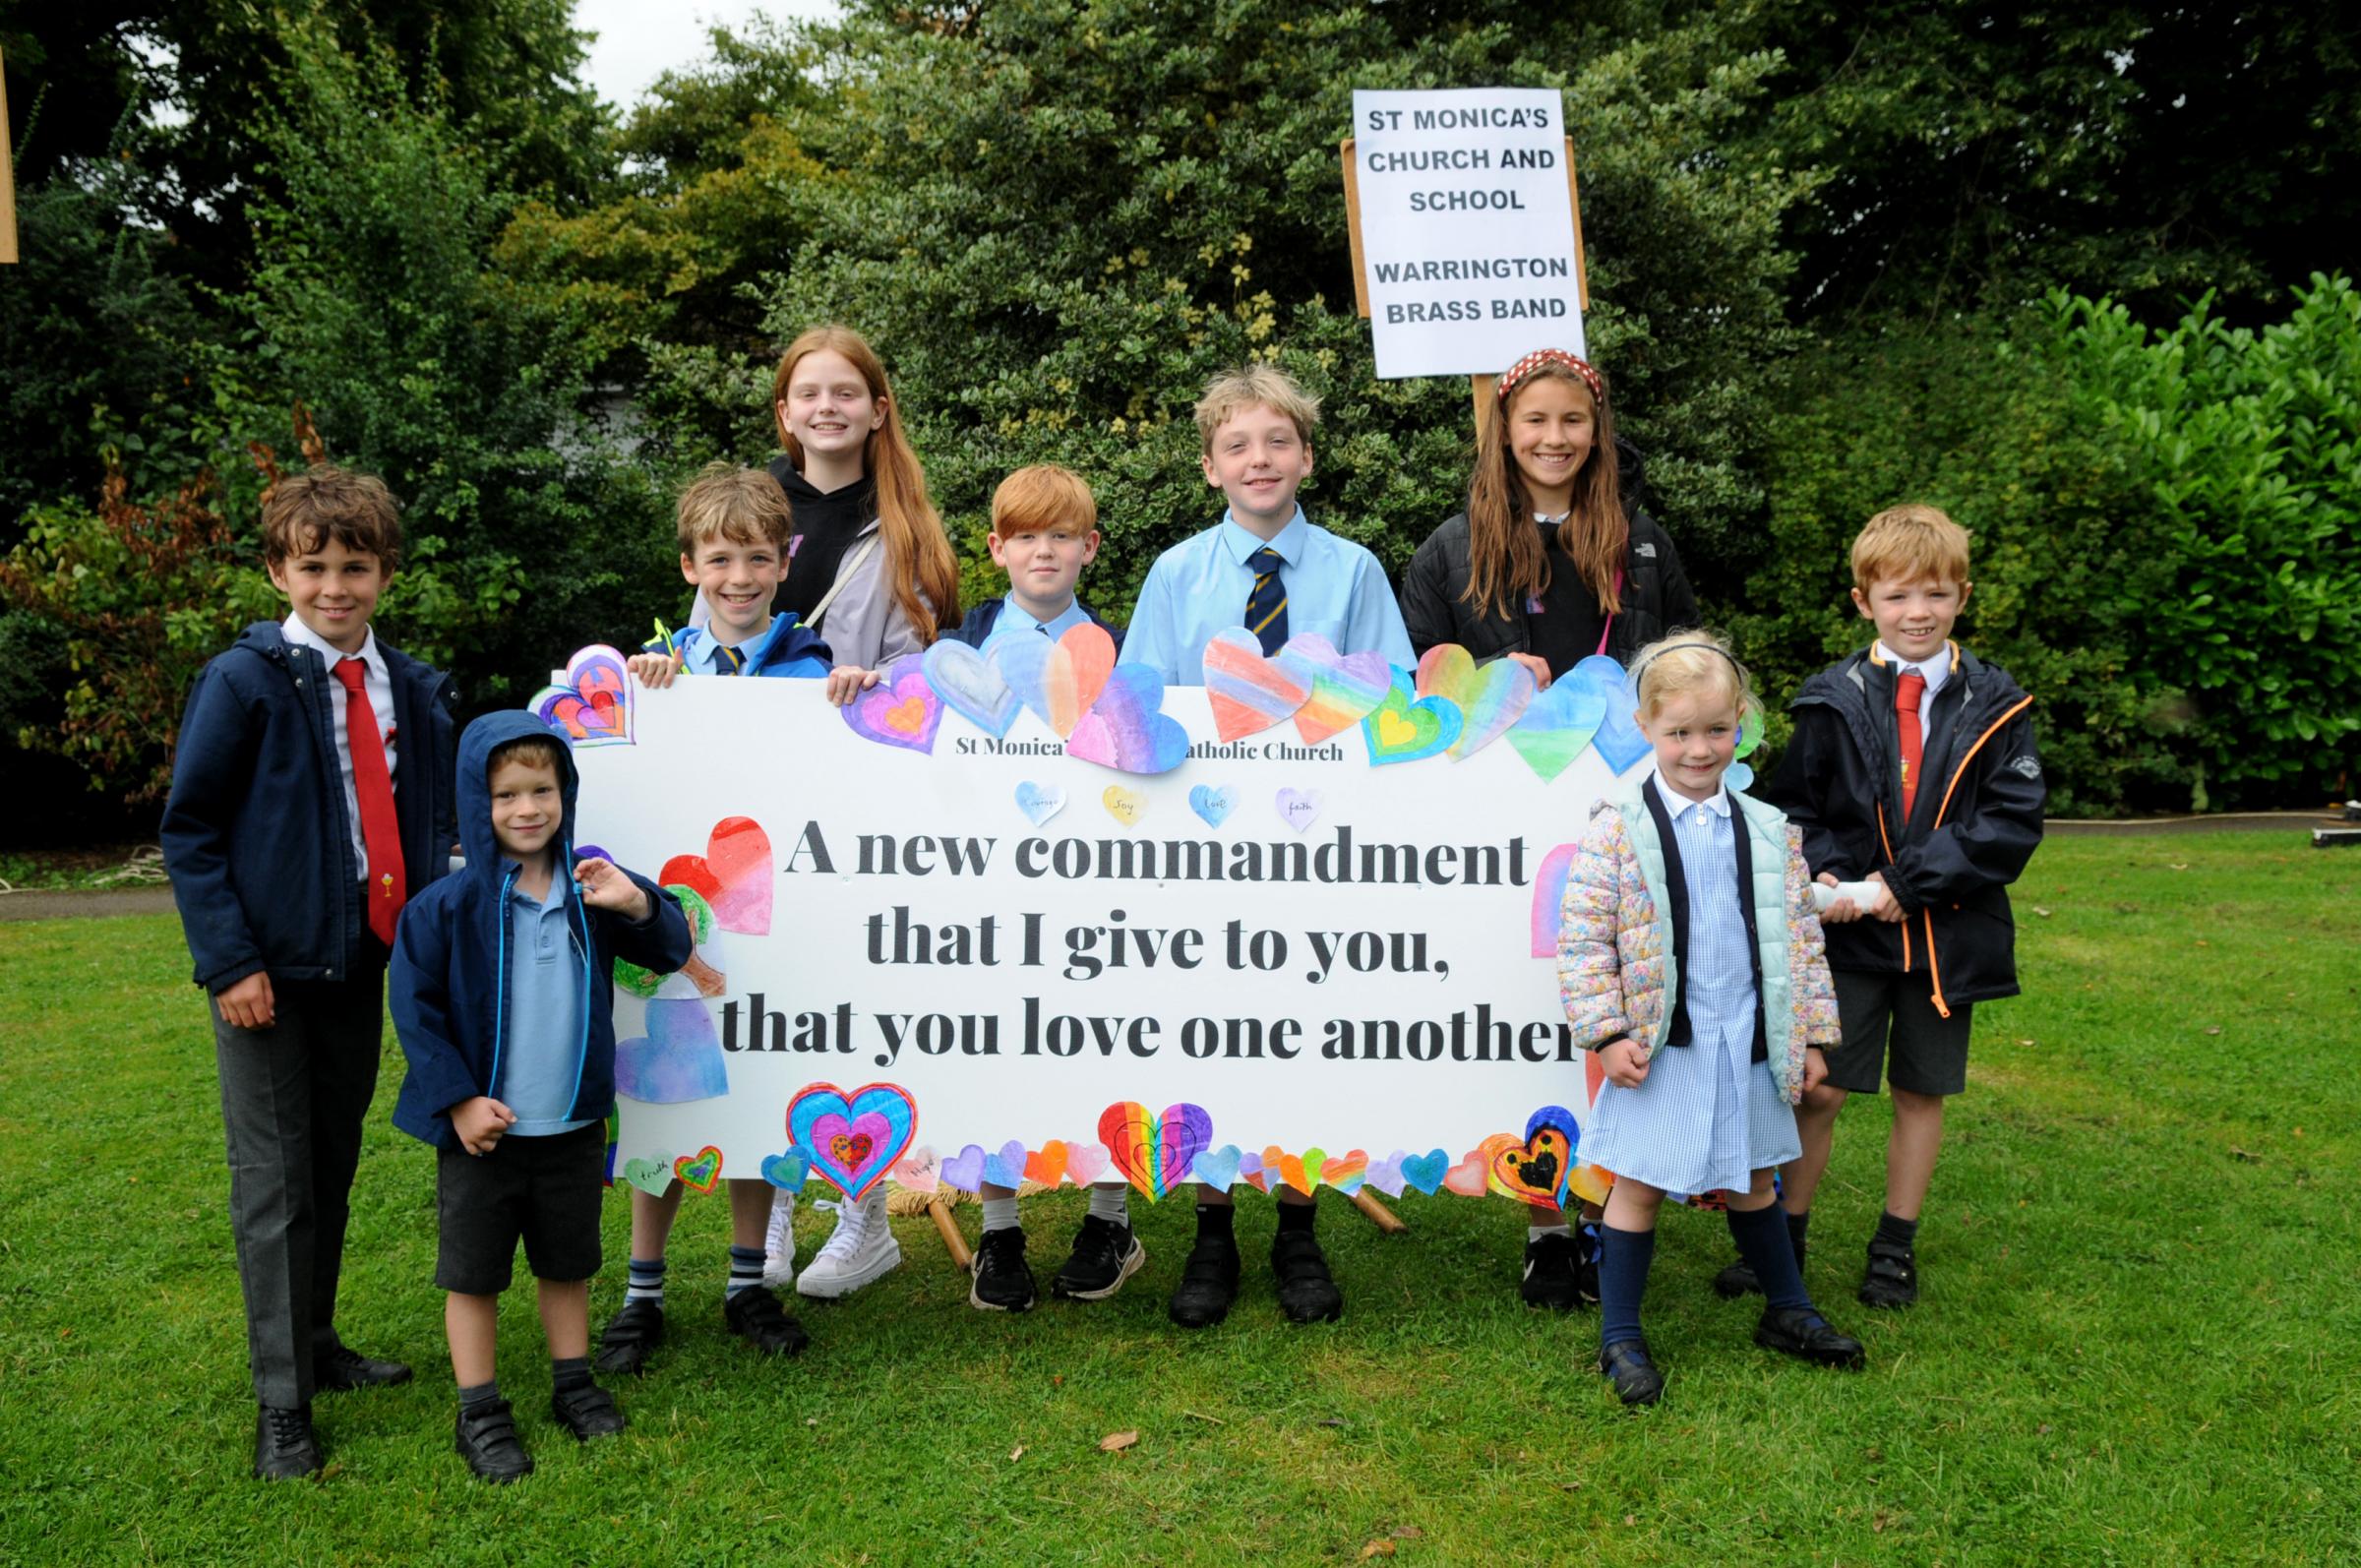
(836,1282)
(976,1300)
(1133,1261)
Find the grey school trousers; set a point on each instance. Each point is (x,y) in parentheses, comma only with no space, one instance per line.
(293,1098)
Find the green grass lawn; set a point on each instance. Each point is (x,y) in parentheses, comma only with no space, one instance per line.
(2141,1339)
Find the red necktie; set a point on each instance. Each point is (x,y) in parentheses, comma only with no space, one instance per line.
(373,784)
(1909,689)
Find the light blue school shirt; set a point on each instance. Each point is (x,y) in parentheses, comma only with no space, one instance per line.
(1013,618)
(1199,586)
(700,654)
(540,1057)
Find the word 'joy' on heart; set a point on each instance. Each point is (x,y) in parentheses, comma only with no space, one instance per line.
(591,704)
(1125,805)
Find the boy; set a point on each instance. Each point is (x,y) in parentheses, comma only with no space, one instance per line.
(734,527)
(1044,529)
(503,994)
(1267,567)
(311,794)
(1913,767)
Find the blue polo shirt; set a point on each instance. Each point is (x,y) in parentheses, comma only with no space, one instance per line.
(1013,619)
(541,1056)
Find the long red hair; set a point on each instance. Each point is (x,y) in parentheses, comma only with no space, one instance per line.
(918,553)
(1506,563)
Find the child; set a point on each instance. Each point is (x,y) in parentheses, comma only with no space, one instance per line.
(733,526)
(1912,766)
(1690,960)
(1044,529)
(503,994)
(1550,564)
(310,792)
(1267,567)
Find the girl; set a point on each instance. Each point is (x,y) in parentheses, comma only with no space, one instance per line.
(1689,958)
(1552,561)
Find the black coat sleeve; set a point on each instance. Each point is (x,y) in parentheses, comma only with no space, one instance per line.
(1811,775)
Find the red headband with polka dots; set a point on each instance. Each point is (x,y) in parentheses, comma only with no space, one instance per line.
(1549,356)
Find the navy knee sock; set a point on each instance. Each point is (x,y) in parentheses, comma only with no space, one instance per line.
(1762,1237)
(1623,1259)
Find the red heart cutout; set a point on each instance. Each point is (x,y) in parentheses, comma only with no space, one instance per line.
(733,876)
(851,1149)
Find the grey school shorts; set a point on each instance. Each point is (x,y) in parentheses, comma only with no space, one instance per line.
(1891,1024)
(542,1192)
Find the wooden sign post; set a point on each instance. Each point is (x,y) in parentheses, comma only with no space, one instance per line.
(7,178)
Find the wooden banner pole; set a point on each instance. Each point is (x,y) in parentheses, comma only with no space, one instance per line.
(1379,1215)
(947,1225)
(7,178)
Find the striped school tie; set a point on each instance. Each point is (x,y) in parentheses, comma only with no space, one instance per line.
(728,661)
(1266,606)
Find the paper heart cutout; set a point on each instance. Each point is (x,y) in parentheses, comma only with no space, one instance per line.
(916,1172)
(876,1122)
(1298,808)
(651,1176)
(1386,1174)
(1005,1167)
(1213,804)
(1469,1177)
(1217,1168)
(1341,688)
(1619,743)
(733,874)
(901,709)
(679,1058)
(700,915)
(1085,1163)
(594,704)
(1040,802)
(1047,1163)
(1750,733)
(970,686)
(1058,681)
(1550,901)
(1346,1172)
(1246,692)
(1154,1153)
(1426,1172)
(1289,1168)
(1251,1171)
(1489,696)
(1125,730)
(964,1171)
(1406,727)
(1125,805)
(787,1172)
(699,1172)
(1738,777)
(1535,1170)
(1558,724)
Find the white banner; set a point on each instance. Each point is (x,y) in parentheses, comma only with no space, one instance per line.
(1285,949)
(1467,228)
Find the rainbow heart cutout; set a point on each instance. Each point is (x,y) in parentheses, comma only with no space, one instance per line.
(1489,696)
(1058,681)
(1154,1153)
(1619,741)
(1556,725)
(970,686)
(593,704)
(699,1172)
(1251,1171)
(1550,900)
(1124,727)
(1406,727)
(1047,1163)
(1126,806)
(1298,808)
(1039,801)
(1246,692)
(1085,1163)
(876,1122)
(787,1172)
(1341,688)
(1386,1174)
(1344,1172)
(1213,804)
(1535,1170)
(1217,1168)
(901,709)
(1426,1172)
(651,1176)
(733,874)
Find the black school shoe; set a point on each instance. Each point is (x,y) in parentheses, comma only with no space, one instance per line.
(284,1447)
(630,1336)
(1551,1273)
(1892,1281)
(1627,1365)
(1735,1281)
(1105,1255)
(346,1368)
(1208,1282)
(1805,1335)
(754,1315)
(587,1410)
(1307,1289)
(487,1439)
(1003,1282)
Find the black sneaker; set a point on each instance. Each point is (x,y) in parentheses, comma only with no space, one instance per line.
(630,1336)
(487,1440)
(587,1410)
(1551,1264)
(284,1447)
(1805,1335)
(1307,1289)
(1627,1365)
(1892,1280)
(754,1315)
(1002,1281)
(1105,1255)
(1208,1281)
(346,1368)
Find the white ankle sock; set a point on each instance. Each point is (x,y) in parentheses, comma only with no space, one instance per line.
(999,1214)
(1111,1203)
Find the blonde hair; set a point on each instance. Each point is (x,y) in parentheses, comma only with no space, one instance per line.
(919,564)
(1506,564)
(1233,391)
(1043,496)
(1689,662)
(1910,543)
(744,506)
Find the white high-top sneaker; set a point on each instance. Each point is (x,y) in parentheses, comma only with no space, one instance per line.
(861,1249)
(778,1245)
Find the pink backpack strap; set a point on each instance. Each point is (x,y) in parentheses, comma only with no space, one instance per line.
(1610,615)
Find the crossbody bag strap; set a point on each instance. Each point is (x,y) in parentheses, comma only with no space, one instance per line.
(844,574)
